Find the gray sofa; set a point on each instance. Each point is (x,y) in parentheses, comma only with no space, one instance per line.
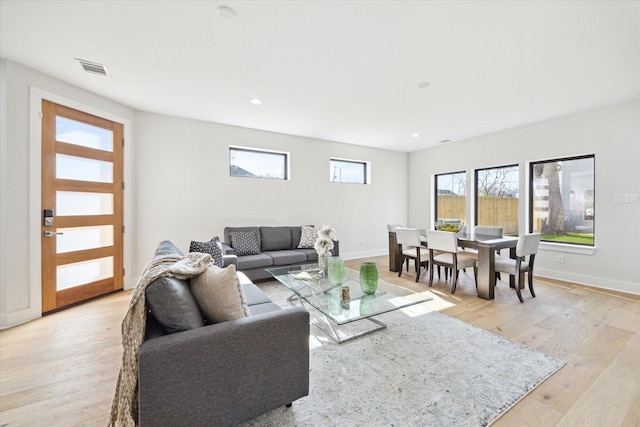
(278,247)
(191,373)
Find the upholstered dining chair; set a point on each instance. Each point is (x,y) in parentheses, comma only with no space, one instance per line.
(444,251)
(527,247)
(410,247)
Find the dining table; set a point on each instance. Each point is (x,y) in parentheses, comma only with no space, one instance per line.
(487,247)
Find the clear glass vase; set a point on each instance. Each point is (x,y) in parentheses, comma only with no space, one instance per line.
(369,277)
(335,271)
(323,263)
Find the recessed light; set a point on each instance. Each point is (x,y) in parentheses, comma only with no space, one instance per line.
(423,85)
(226,13)
(255,101)
(415,135)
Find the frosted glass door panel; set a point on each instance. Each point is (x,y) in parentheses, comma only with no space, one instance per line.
(81,238)
(81,273)
(83,169)
(83,134)
(71,203)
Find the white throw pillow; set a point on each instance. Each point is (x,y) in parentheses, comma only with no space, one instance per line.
(219,294)
(308,237)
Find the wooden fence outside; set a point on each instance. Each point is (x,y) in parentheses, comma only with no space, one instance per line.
(496,211)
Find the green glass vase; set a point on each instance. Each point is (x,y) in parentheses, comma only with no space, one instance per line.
(369,277)
(336,271)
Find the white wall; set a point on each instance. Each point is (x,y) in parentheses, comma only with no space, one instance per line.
(20,210)
(612,133)
(185,192)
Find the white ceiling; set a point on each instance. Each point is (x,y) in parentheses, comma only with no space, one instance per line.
(345,71)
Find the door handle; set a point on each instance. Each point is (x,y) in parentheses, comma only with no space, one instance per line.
(48,233)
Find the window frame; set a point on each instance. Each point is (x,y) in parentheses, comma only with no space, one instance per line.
(435,188)
(284,154)
(366,173)
(476,200)
(531,205)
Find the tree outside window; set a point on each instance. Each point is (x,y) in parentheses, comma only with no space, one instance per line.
(497,196)
(562,205)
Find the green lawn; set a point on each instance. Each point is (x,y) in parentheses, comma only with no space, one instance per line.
(576,238)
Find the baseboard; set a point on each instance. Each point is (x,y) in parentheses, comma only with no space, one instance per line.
(596,282)
(364,254)
(9,320)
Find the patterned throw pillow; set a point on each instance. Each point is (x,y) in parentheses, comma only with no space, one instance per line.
(212,247)
(308,238)
(244,242)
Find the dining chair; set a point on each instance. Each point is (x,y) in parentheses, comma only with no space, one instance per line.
(444,251)
(410,247)
(527,247)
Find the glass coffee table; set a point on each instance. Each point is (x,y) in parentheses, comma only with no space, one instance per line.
(343,319)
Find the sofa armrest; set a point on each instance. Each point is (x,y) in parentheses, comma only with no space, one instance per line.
(227,260)
(336,248)
(226,373)
(226,249)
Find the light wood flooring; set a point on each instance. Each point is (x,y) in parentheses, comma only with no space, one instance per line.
(61,370)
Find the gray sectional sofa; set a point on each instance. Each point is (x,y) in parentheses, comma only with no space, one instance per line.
(277,247)
(197,374)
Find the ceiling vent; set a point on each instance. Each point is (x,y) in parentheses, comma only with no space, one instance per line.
(93,68)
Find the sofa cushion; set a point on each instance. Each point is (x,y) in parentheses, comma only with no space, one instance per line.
(173,304)
(310,254)
(275,238)
(308,237)
(219,294)
(254,261)
(254,295)
(263,308)
(212,247)
(286,257)
(245,242)
(296,234)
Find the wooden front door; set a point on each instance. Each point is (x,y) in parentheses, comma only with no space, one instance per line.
(82,215)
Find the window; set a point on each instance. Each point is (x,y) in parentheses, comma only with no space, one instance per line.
(451,198)
(254,163)
(562,200)
(497,195)
(349,171)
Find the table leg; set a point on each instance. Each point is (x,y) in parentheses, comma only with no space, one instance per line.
(486,272)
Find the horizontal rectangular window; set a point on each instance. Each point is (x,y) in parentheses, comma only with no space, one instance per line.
(562,202)
(255,163)
(349,171)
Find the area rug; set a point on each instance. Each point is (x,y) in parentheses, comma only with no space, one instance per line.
(425,369)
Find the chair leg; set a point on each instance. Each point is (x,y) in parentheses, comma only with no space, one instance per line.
(454,279)
(417,264)
(530,273)
(431,275)
(519,278)
(401,264)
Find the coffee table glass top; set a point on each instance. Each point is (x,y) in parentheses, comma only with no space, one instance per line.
(326,298)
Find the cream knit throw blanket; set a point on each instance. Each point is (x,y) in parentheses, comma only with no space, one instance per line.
(124,408)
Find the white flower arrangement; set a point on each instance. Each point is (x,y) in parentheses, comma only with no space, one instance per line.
(324,242)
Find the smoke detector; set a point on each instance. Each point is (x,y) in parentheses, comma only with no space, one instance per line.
(93,68)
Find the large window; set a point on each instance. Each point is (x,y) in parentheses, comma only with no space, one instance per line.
(349,171)
(497,193)
(562,199)
(451,198)
(254,163)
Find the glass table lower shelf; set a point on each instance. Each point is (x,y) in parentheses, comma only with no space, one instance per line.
(343,319)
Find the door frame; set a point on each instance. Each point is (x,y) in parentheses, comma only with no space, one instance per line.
(35,192)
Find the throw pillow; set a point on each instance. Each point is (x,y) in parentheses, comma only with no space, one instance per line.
(244,242)
(212,247)
(173,304)
(308,237)
(219,294)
